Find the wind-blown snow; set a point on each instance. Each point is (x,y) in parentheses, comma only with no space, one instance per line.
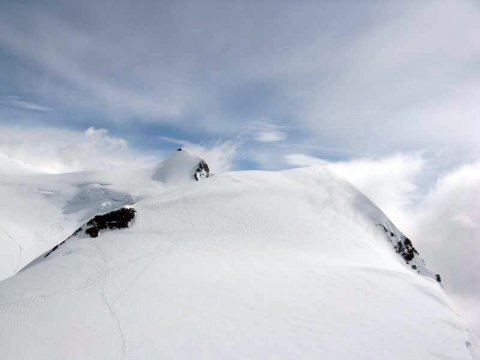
(278,265)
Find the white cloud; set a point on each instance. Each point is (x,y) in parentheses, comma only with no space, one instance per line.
(101,136)
(446,229)
(390,182)
(56,150)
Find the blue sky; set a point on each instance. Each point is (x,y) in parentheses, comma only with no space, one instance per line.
(388,92)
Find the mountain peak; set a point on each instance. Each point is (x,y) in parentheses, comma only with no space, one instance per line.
(181,167)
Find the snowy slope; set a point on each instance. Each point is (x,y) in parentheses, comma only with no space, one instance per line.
(38,211)
(277,265)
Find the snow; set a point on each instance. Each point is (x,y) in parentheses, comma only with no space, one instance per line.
(277,265)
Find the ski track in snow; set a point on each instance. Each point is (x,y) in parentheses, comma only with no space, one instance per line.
(110,307)
(88,283)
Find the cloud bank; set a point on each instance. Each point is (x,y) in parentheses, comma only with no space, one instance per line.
(54,150)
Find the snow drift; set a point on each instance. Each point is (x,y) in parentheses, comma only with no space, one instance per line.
(280,265)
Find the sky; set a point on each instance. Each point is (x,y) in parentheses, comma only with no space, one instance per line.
(385,92)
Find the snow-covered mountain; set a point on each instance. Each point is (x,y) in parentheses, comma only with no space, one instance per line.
(279,265)
(40,210)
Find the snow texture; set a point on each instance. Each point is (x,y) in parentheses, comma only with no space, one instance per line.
(243,265)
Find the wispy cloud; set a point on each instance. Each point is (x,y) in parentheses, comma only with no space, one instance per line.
(375,78)
(270,136)
(18,103)
(405,82)
(266,131)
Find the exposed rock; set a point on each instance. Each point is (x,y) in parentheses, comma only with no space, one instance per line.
(202,171)
(118,219)
(404,247)
(56,247)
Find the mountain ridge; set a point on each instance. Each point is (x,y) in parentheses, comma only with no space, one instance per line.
(246,264)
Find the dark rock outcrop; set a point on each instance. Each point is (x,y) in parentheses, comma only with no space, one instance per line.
(404,247)
(118,219)
(202,171)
